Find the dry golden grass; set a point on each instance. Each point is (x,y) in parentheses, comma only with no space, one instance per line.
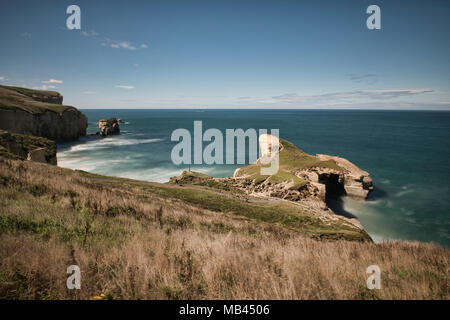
(128,248)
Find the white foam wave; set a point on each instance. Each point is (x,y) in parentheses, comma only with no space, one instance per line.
(107,143)
(90,164)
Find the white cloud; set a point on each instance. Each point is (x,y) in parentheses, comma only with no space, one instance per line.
(136,65)
(89,34)
(393,93)
(107,42)
(357,94)
(344,98)
(122,44)
(2,78)
(124,87)
(53,81)
(89,92)
(118,44)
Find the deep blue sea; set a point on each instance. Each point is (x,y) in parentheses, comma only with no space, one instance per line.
(406,152)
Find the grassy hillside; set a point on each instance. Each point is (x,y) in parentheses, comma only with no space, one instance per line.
(29,100)
(140,240)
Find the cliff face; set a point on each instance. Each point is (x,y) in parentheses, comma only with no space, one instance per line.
(39,113)
(67,126)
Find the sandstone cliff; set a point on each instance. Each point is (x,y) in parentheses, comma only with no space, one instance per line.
(39,113)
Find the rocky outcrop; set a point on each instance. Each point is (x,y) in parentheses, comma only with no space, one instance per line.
(27,147)
(108,127)
(310,181)
(357,183)
(301,175)
(39,113)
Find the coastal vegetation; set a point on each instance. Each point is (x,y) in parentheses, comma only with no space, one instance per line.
(142,240)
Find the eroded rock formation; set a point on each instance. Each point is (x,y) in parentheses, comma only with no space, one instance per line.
(301,175)
(108,127)
(309,181)
(356,182)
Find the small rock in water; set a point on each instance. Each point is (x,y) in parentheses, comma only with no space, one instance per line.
(108,127)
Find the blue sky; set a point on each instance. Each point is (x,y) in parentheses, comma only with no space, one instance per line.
(231,54)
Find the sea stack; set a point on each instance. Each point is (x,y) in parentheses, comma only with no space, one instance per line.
(108,127)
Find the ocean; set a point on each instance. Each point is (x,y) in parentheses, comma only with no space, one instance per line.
(406,152)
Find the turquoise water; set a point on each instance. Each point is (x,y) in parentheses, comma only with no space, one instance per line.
(406,152)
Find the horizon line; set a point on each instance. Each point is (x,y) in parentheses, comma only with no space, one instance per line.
(259,108)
